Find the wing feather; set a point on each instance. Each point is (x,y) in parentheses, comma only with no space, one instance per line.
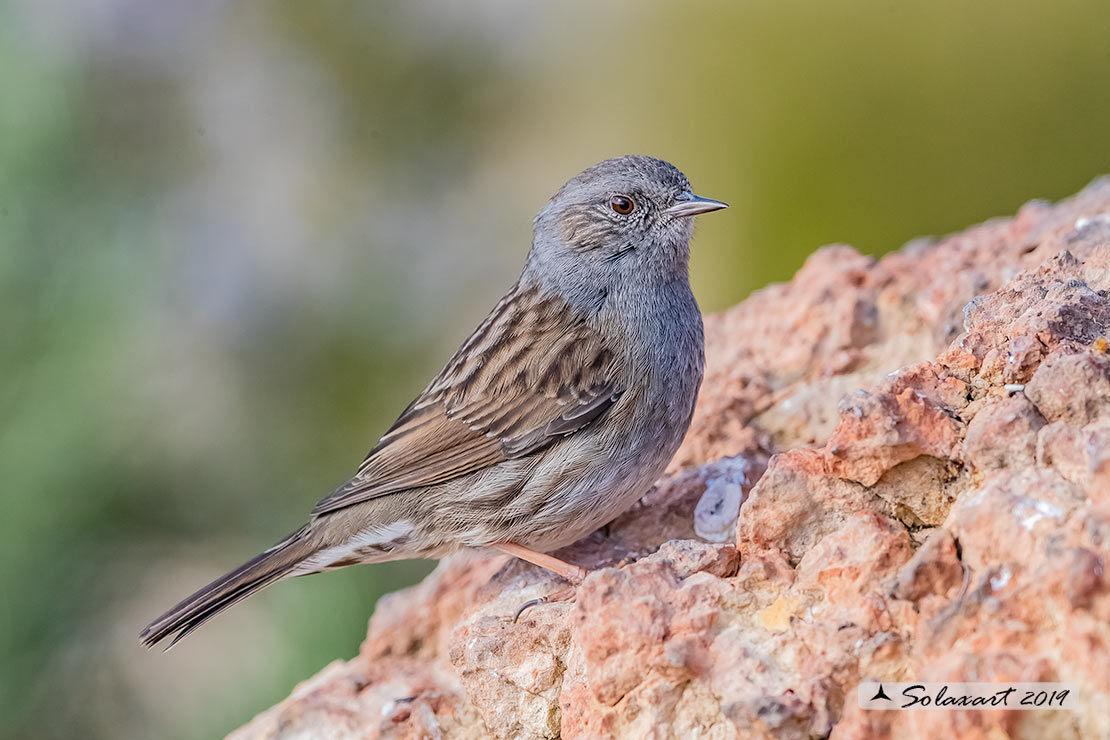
(531,374)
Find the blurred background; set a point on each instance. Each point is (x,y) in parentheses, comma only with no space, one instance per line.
(236,239)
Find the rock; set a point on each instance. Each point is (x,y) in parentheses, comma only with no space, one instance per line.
(1080,455)
(934,570)
(897,469)
(1016,419)
(717,509)
(1074,388)
(880,430)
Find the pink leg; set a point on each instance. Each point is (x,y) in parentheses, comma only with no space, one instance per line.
(572,573)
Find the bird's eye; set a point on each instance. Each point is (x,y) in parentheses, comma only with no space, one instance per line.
(622,204)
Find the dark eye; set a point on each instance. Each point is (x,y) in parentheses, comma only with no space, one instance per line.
(622,204)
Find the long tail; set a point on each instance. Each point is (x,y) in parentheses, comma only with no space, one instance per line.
(254,575)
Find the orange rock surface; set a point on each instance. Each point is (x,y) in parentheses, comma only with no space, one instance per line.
(919,448)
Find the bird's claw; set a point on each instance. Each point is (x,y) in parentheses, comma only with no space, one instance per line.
(526,606)
(560,595)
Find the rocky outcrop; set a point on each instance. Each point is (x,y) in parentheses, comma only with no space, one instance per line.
(898,470)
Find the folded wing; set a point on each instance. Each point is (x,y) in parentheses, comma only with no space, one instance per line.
(531,374)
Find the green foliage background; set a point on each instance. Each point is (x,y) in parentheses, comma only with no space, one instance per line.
(235,239)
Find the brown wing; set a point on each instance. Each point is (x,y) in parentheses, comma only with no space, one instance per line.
(530,374)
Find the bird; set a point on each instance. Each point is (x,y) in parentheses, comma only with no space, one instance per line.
(553,417)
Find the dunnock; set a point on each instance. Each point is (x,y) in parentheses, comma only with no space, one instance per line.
(555,415)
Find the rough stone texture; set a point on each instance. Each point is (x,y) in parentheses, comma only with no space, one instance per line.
(919,447)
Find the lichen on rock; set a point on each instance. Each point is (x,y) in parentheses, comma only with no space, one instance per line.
(919,447)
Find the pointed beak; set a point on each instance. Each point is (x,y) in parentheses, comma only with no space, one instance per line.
(689,204)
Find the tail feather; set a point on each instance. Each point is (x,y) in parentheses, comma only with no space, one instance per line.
(250,577)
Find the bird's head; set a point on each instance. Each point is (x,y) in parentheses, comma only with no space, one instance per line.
(625,219)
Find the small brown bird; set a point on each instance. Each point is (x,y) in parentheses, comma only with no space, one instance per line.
(555,415)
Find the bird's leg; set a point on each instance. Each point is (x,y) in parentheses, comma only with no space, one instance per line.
(570,572)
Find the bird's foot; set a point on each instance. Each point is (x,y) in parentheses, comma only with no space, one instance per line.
(563,594)
(570,572)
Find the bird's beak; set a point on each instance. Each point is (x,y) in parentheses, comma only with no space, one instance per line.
(689,204)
